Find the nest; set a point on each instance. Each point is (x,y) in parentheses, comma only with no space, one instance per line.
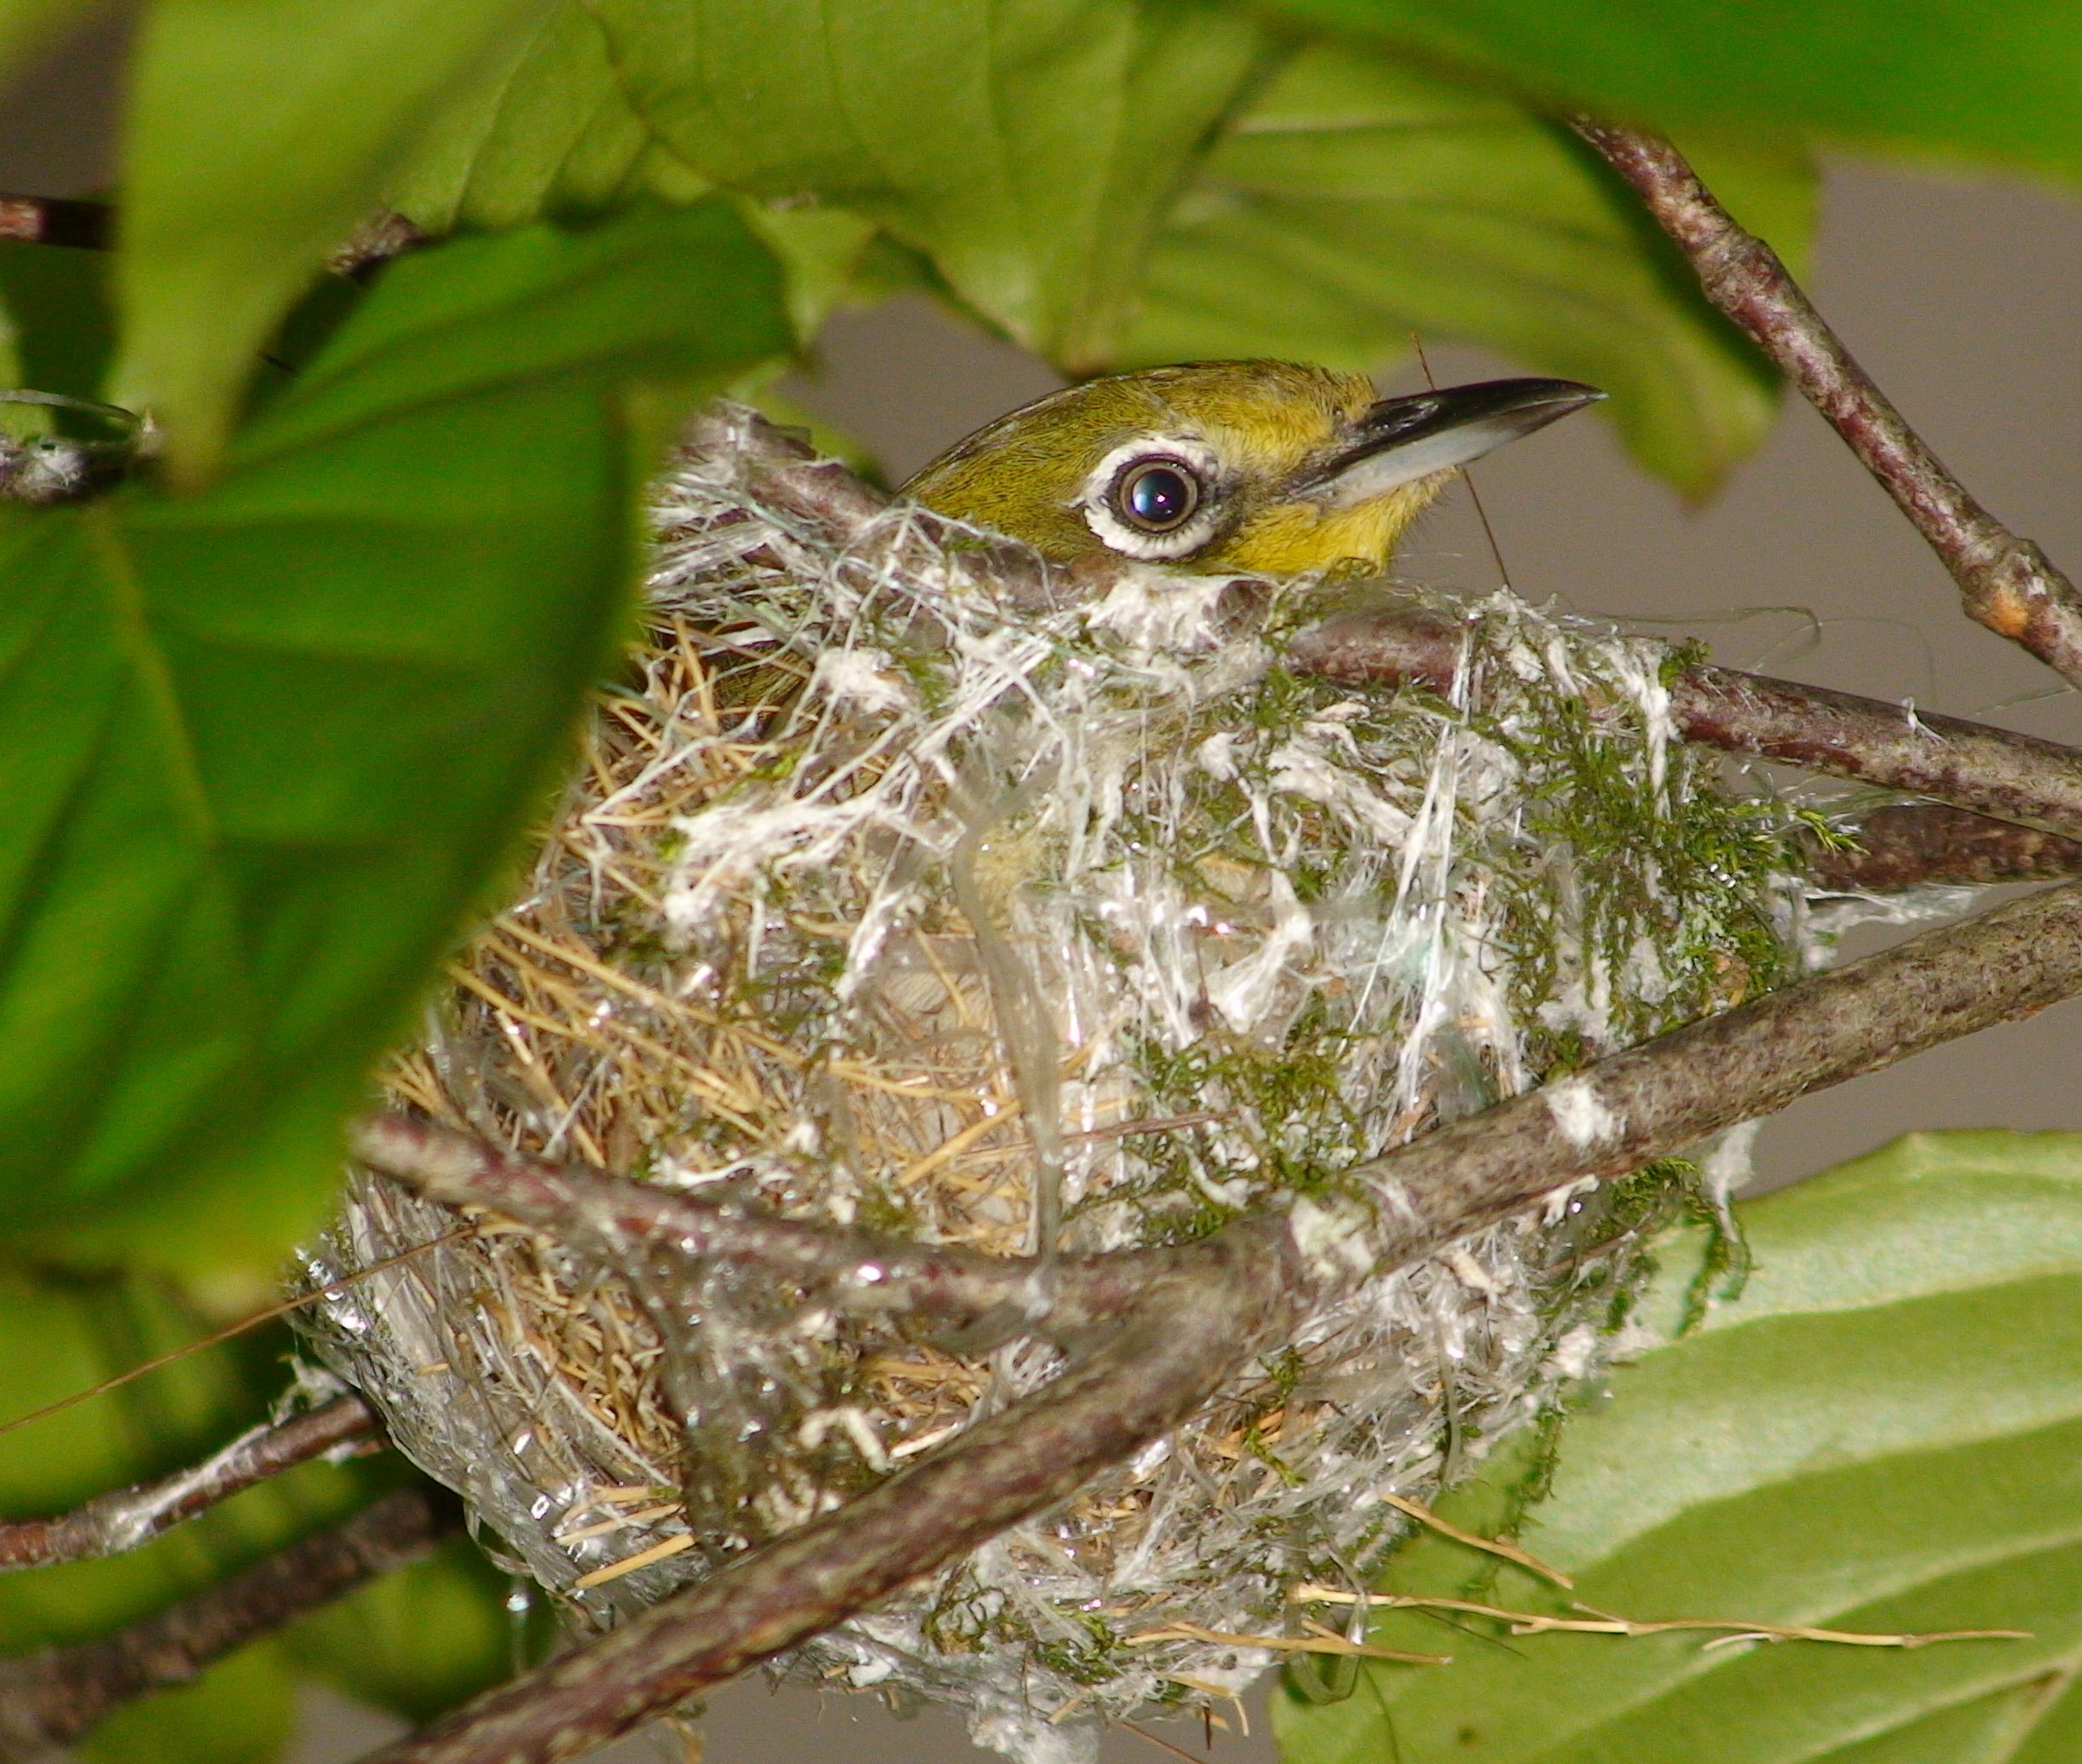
(883,899)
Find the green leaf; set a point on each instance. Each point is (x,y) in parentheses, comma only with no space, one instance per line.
(418,1642)
(1358,201)
(260,132)
(1884,1435)
(549,132)
(544,131)
(243,1710)
(1936,78)
(263,747)
(57,298)
(1028,147)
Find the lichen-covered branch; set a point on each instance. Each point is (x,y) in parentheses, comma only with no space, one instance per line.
(1226,1300)
(2008,584)
(1233,1296)
(607,1217)
(125,1519)
(1988,772)
(1915,845)
(50,1698)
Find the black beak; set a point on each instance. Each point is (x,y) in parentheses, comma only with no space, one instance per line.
(1401,440)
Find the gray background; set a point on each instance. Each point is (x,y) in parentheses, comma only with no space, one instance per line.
(1964,300)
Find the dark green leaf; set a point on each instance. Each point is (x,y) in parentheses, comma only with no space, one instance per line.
(1027,145)
(1938,77)
(419,1640)
(260,132)
(1884,1435)
(242,1711)
(264,746)
(58,300)
(1358,201)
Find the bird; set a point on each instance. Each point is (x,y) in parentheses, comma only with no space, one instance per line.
(1247,467)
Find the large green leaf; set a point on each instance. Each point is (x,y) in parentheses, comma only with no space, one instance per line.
(57,299)
(545,131)
(1357,200)
(1028,146)
(1931,78)
(242,1711)
(1884,1434)
(548,131)
(259,133)
(263,746)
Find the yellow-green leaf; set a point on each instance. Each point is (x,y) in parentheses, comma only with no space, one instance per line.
(1882,1436)
(1028,146)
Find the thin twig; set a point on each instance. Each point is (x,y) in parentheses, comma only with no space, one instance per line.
(2008,584)
(125,1519)
(1916,844)
(48,1699)
(1320,1641)
(56,220)
(1500,1547)
(1600,1622)
(1988,771)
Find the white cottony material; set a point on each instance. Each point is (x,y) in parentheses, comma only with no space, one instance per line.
(1583,1117)
(860,678)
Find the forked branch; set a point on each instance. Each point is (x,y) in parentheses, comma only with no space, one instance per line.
(125,1519)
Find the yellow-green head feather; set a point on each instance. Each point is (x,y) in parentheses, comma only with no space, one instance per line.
(1273,468)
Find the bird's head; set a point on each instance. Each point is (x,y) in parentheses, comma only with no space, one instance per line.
(1260,467)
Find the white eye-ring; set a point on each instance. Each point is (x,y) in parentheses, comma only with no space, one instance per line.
(1153,498)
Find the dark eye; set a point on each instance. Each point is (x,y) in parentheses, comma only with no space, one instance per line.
(1157,495)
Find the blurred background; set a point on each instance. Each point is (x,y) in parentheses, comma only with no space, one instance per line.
(1963,298)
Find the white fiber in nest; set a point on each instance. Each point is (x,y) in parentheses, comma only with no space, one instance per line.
(879,902)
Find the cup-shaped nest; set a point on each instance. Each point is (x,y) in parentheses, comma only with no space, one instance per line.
(883,898)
